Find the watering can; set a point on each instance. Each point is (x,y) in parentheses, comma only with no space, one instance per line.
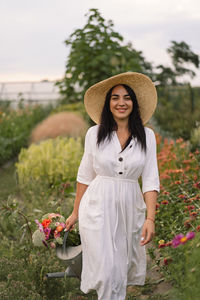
(71,256)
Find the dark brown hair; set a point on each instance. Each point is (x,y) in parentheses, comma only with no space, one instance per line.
(108,124)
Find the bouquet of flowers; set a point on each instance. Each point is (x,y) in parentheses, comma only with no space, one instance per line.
(51,232)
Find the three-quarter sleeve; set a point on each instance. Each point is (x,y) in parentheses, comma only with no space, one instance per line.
(150,174)
(86,171)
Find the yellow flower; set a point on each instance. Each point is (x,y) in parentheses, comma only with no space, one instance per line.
(183,240)
(161,242)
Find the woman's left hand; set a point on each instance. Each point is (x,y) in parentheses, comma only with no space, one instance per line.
(148,232)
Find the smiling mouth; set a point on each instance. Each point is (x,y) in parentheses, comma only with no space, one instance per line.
(121,110)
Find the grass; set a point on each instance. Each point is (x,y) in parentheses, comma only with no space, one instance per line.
(8,183)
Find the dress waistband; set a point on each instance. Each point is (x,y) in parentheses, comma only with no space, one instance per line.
(117,178)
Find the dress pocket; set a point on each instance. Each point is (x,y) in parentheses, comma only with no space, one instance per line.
(91,213)
(140,212)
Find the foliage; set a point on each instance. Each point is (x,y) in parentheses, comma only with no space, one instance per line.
(178,212)
(175,98)
(15,128)
(97,52)
(23,266)
(173,113)
(49,163)
(181,56)
(195,137)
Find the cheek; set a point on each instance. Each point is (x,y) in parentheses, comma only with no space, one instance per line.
(111,105)
(131,106)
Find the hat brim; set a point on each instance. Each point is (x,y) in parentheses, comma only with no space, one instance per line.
(142,85)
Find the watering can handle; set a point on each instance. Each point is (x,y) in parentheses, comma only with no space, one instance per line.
(65,240)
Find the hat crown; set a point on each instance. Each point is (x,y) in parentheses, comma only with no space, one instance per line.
(141,84)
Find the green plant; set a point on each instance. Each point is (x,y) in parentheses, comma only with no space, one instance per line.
(15,128)
(49,163)
(195,138)
(97,52)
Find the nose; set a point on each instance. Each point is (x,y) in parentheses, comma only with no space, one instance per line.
(121,101)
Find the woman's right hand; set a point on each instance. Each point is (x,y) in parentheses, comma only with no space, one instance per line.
(71,220)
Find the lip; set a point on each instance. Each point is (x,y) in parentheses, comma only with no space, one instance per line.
(121,110)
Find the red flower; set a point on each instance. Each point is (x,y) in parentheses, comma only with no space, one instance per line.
(168,244)
(161,246)
(177,182)
(198,228)
(166,261)
(182,196)
(165,202)
(197,185)
(187,224)
(46,222)
(157,205)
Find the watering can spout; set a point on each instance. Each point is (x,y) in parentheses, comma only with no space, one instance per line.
(71,257)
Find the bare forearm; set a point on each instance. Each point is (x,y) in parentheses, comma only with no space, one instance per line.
(151,199)
(80,190)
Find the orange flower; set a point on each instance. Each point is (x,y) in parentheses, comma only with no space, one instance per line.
(46,222)
(59,228)
(177,182)
(165,193)
(183,240)
(180,140)
(182,196)
(187,224)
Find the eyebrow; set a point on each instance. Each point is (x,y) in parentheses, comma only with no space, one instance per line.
(118,95)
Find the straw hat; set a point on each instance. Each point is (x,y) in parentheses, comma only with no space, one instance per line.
(142,85)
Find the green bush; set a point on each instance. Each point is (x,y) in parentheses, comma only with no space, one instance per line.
(178,110)
(195,138)
(49,163)
(15,128)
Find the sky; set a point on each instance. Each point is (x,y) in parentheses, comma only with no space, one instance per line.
(32,32)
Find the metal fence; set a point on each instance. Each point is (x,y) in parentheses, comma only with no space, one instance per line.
(42,92)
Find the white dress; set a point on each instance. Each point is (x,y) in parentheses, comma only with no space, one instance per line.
(112,213)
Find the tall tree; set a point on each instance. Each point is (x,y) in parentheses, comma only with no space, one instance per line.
(176,111)
(97,52)
(182,56)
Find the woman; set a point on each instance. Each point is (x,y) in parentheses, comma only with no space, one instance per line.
(109,203)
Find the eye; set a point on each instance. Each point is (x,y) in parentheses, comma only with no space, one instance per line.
(114,98)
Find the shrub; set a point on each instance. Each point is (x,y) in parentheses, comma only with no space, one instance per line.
(195,138)
(15,128)
(49,163)
(60,124)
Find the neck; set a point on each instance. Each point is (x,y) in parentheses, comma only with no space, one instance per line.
(122,125)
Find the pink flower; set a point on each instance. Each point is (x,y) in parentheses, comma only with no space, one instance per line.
(53,215)
(39,225)
(47,232)
(177,240)
(190,235)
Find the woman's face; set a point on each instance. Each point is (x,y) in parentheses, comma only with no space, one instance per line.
(121,104)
